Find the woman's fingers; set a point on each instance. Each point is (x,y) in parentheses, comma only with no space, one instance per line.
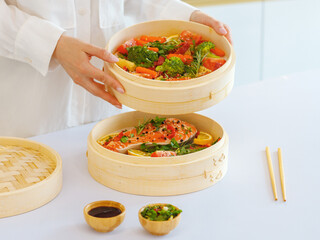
(219,27)
(228,35)
(101,76)
(75,55)
(222,29)
(96,73)
(100,53)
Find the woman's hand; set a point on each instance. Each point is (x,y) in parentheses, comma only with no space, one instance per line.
(74,56)
(219,27)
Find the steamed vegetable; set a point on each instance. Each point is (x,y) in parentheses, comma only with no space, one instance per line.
(217,51)
(172,66)
(164,48)
(142,56)
(205,47)
(213,63)
(123,63)
(178,57)
(190,37)
(151,73)
(186,59)
(123,48)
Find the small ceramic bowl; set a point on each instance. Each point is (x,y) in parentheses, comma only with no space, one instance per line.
(104,224)
(158,227)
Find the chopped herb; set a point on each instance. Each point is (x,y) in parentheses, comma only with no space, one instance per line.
(156,122)
(174,143)
(124,139)
(141,126)
(160,212)
(164,48)
(131,135)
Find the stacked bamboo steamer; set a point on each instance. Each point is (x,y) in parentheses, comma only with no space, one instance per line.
(165,175)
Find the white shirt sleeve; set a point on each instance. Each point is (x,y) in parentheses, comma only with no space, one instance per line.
(27,38)
(145,10)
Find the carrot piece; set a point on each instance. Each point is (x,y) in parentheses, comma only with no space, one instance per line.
(152,39)
(145,75)
(153,49)
(154,74)
(139,42)
(185,58)
(217,51)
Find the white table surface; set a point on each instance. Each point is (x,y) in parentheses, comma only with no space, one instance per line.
(283,112)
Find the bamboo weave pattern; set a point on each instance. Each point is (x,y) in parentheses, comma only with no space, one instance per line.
(21,167)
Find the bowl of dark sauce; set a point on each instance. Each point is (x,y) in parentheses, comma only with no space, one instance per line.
(104,216)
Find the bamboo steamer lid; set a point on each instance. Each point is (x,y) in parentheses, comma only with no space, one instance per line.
(161,176)
(30,175)
(172,97)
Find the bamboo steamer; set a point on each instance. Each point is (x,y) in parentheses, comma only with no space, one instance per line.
(30,175)
(172,97)
(157,176)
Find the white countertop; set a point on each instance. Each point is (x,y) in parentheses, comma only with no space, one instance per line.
(283,112)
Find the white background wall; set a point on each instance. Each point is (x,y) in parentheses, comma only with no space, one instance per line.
(272,38)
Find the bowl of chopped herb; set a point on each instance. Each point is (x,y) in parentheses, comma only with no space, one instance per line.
(159,218)
(171,67)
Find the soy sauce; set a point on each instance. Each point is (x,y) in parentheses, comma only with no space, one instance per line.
(104,212)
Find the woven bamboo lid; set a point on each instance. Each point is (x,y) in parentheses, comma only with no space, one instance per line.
(30,175)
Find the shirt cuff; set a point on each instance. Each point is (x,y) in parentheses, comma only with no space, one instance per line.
(177,10)
(36,41)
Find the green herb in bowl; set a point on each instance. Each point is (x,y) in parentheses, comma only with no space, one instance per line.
(160,212)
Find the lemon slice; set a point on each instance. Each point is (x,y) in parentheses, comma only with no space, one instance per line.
(203,139)
(103,139)
(138,153)
(176,36)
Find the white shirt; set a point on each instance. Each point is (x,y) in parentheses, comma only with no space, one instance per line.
(36,95)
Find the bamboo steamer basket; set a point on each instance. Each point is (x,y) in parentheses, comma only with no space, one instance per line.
(30,175)
(172,97)
(161,176)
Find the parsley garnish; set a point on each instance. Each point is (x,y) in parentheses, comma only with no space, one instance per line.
(141,126)
(156,122)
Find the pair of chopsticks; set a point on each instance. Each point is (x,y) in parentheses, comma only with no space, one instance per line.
(273,182)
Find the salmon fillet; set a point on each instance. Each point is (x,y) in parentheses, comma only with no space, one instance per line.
(161,134)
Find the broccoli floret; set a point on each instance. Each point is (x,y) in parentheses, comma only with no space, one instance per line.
(142,56)
(172,66)
(164,48)
(205,47)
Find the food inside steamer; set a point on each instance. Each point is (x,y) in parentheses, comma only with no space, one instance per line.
(179,57)
(158,137)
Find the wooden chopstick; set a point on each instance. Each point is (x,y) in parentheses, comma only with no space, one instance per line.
(273,182)
(283,185)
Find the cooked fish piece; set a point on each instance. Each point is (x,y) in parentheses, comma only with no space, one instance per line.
(150,133)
